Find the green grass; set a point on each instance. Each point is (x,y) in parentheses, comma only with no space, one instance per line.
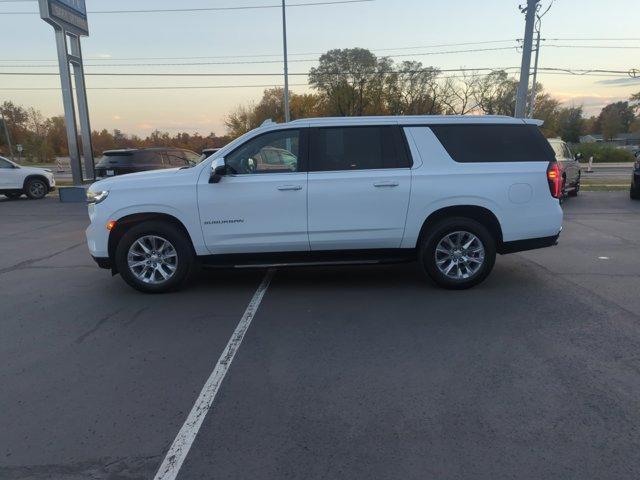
(604,188)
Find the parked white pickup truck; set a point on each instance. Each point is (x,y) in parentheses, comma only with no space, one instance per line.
(449,192)
(16,180)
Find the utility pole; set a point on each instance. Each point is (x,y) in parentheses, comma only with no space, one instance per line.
(523,86)
(286,64)
(532,100)
(6,133)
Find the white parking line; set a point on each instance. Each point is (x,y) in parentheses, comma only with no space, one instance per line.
(180,447)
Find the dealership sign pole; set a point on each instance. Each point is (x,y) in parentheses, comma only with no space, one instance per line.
(69,20)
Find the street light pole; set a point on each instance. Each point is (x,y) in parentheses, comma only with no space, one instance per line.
(286,64)
(523,86)
(6,133)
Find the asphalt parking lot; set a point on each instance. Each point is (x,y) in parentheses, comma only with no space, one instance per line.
(353,372)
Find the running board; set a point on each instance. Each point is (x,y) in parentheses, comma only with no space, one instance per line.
(309,259)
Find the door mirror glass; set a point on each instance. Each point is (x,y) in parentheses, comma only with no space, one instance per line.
(218,170)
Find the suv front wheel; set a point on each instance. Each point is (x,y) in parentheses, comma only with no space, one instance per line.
(458,253)
(154,257)
(36,188)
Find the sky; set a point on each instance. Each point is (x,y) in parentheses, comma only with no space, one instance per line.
(402,29)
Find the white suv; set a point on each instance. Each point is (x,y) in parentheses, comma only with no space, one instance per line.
(16,180)
(449,192)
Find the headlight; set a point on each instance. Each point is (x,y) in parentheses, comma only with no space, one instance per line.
(97,197)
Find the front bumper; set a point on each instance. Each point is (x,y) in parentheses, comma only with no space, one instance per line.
(103,262)
(97,233)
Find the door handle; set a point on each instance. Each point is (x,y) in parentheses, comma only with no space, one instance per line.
(386,184)
(289,187)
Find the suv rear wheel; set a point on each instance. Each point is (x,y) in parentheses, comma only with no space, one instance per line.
(458,253)
(154,257)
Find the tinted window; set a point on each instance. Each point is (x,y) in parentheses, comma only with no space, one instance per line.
(148,158)
(111,159)
(357,148)
(494,143)
(175,159)
(5,164)
(274,152)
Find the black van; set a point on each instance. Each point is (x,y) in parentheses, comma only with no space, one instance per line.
(119,162)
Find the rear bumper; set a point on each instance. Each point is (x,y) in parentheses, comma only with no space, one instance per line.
(528,244)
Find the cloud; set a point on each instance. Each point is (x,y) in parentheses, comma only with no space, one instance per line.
(592,103)
(117,117)
(620,81)
(145,126)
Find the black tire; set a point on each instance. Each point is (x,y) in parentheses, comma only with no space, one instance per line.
(13,196)
(36,188)
(576,189)
(168,232)
(438,232)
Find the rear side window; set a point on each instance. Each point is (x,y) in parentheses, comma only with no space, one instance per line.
(494,143)
(148,158)
(357,148)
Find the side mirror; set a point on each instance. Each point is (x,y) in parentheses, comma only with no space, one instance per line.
(578,156)
(218,170)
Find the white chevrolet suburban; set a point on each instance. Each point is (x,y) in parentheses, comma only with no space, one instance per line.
(449,192)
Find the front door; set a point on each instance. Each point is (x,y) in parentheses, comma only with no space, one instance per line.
(260,205)
(359,186)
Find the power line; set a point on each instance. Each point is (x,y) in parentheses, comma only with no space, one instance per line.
(209,9)
(567,71)
(253,62)
(170,87)
(246,74)
(414,47)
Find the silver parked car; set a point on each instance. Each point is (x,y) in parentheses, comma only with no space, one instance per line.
(569,167)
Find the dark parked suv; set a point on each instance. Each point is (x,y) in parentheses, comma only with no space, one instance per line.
(119,162)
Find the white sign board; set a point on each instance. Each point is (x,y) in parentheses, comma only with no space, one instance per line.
(68,14)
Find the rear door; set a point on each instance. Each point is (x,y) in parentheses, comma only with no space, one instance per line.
(359,186)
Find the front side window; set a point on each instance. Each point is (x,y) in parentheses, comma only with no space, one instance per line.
(5,164)
(274,152)
(356,148)
(175,159)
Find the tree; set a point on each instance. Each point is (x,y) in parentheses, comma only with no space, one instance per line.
(611,123)
(570,124)
(624,113)
(350,81)
(635,100)
(411,89)
(496,94)
(547,110)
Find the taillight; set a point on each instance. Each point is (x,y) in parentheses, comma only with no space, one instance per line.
(554,178)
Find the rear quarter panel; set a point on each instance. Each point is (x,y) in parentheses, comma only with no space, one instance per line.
(517,193)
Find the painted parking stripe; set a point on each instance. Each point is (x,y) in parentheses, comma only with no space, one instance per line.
(180,447)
